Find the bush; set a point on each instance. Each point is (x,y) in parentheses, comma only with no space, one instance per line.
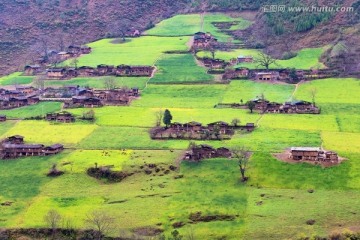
(288,55)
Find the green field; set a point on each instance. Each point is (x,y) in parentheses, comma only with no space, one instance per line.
(275,203)
(15,79)
(137,51)
(306,58)
(179,68)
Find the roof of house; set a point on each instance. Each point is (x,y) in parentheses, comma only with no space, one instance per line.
(21,146)
(55,146)
(306,149)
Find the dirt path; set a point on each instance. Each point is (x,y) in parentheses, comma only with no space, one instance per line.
(296,87)
(153,73)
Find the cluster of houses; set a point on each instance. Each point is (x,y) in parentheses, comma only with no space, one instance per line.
(203,151)
(299,107)
(61,73)
(203,40)
(195,130)
(284,75)
(99,98)
(14,147)
(17,98)
(313,154)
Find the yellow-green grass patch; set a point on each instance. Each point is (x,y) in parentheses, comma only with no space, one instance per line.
(49,133)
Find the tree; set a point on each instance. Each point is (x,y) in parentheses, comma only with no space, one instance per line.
(235,122)
(313,93)
(250,105)
(264,60)
(52,219)
(167,118)
(159,117)
(74,62)
(242,155)
(101,222)
(109,83)
(89,115)
(39,82)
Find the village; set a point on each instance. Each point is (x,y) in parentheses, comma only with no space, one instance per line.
(71,96)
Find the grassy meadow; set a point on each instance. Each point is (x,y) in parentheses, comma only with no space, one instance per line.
(306,58)
(275,203)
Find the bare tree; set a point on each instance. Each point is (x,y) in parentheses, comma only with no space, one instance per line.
(242,155)
(159,116)
(265,60)
(52,219)
(39,82)
(109,83)
(44,46)
(313,93)
(101,222)
(74,62)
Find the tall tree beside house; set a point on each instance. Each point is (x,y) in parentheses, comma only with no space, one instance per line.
(39,82)
(74,62)
(159,117)
(250,105)
(109,83)
(313,93)
(242,155)
(167,118)
(264,60)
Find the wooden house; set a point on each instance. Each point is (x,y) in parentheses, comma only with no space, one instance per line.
(126,70)
(15,102)
(62,56)
(244,59)
(31,70)
(79,101)
(176,126)
(56,73)
(64,117)
(312,154)
(16,139)
(192,126)
(21,150)
(299,107)
(2,118)
(104,70)
(53,149)
(203,40)
(86,71)
(214,63)
(222,127)
(33,99)
(236,73)
(85,49)
(74,50)
(203,151)
(267,76)
(26,90)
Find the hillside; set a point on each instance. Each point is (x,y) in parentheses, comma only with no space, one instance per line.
(53,24)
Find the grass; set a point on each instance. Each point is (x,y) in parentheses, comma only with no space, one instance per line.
(32,111)
(306,58)
(137,51)
(275,199)
(209,19)
(98,82)
(145,117)
(179,68)
(183,96)
(178,25)
(15,78)
(247,90)
(50,133)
